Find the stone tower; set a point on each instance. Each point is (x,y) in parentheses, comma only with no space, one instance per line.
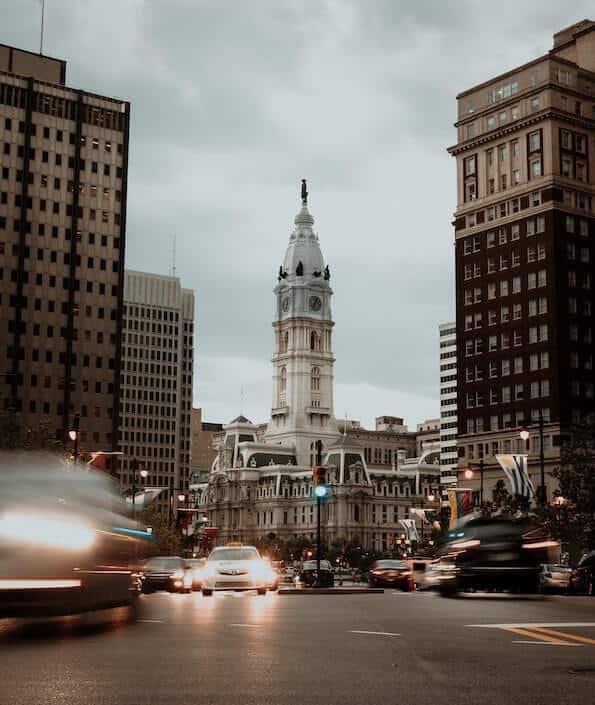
(302,410)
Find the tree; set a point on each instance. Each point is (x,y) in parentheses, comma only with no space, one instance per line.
(166,540)
(576,478)
(505,503)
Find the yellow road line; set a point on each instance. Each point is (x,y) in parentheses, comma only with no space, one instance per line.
(534,635)
(564,635)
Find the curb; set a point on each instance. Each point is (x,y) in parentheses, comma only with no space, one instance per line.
(330,591)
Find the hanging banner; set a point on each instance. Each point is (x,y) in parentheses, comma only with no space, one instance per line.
(515,467)
(460,501)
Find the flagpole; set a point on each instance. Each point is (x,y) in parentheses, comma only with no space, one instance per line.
(42,21)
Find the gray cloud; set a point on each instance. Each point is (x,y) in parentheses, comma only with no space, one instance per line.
(233,103)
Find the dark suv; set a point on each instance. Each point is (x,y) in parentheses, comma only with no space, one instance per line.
(494,554)
(309,575)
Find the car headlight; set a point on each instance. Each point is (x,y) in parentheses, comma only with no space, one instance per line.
(178,574)
(50,531)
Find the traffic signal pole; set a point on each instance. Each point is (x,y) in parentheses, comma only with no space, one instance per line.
(318,462)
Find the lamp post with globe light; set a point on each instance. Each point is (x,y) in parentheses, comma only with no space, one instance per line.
(73,434)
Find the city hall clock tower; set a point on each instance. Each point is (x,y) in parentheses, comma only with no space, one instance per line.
(302,410)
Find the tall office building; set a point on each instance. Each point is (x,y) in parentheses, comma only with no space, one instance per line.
(524,231)
(63,176)
(156,383)
(448,406)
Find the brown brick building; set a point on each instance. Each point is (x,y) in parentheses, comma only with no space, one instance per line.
(525,273)
(63,176)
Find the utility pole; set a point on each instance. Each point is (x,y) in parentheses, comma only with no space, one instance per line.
(134,467)
(542,497)
(481,480)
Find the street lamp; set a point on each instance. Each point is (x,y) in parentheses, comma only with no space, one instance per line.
(73,434)
(524,434)
(469,474)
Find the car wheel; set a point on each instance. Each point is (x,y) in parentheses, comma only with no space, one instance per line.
(261,591)
(206,592)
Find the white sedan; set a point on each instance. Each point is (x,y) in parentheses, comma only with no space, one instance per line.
(236,568)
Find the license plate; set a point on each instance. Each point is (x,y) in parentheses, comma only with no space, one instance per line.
(504,556)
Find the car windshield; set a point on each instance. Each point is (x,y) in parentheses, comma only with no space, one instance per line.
(558,568)
(395,565)
(193,562)
(234,554)
(163,563)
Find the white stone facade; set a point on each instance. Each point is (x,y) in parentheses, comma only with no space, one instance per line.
(261,483)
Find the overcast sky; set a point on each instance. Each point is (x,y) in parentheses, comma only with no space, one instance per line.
(234,102)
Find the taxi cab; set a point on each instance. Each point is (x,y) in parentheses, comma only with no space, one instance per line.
(235,567)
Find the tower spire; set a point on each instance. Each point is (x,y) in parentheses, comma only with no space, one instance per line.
(304,192)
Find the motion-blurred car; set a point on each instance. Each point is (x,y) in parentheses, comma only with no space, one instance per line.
(66,543)
(166,573)
(582,580)
(310,576)
(273,583)
(196,565)
(494,554)
(391,573)
(555,578)
(235,568)
(430,579)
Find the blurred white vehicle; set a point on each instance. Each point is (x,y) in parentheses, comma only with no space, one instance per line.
(236,568)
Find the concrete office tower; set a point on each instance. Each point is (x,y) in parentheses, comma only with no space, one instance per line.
(156,400)
(448,405)
(524,232)
(63,182)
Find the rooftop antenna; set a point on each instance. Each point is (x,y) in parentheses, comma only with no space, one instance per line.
(241,399)
(41,33)
(173,266)
(345,426)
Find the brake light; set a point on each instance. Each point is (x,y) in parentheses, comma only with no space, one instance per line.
(540,544)
(464,545)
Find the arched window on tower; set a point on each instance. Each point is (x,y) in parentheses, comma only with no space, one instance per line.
(282,385)
(314,341)
(315,379)
(284,343)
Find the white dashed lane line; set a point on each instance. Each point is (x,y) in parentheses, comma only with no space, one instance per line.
(361,631)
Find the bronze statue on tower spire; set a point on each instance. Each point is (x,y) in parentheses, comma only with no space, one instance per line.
(304,192)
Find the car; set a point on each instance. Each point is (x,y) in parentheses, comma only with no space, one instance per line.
(196,565)
(582,579)
(166,573)
(288,574)
(273,583)
(555,578)
(493,553)
(430,579)
(235,568)
(310,576)
(391,573)
(67,542)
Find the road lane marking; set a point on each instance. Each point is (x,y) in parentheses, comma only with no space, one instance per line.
(244,625)
(536,635)
(528,625)
(565,635)
(540,643)
(360,631)
(150,621)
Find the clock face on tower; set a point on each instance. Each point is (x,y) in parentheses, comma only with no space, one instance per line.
(315,303)
(285,304)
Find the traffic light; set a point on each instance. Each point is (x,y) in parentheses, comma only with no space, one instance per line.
(319,481)
(319,475)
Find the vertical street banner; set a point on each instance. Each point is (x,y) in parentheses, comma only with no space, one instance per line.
(410,529)
(515,467)
(460,501)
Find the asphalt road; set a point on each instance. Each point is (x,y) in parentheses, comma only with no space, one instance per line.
(242,649)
